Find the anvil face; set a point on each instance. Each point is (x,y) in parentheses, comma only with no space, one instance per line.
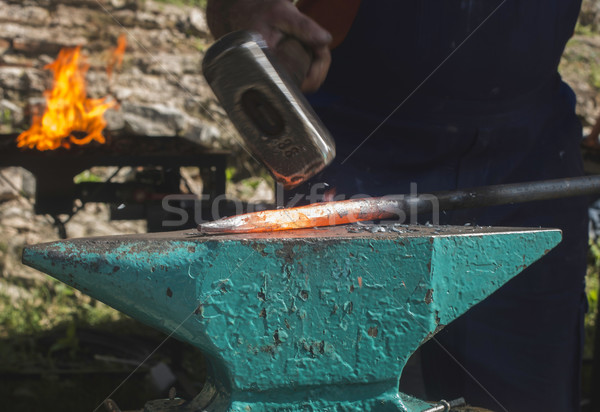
(299,320)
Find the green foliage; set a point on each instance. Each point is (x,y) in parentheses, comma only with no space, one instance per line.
(70,341)
(593,300)
(592,285)
(252,183)
(584,29)
(595,75)
(6,116)
(201,45)
(87,176)
(47,305)
(230,173)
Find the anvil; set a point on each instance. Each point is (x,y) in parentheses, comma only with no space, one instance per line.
(301,320)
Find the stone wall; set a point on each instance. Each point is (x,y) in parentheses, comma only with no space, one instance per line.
(590,14)
(160,86)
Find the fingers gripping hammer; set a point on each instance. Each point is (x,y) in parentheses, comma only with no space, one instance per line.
(265,104)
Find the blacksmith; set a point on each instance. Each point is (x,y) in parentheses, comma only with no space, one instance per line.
(474,98)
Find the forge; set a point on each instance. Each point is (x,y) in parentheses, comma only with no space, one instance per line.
(300,320)
(159,158)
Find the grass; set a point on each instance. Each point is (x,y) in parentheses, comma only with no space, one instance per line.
(584,29)
(595,75)
(592,287)
(47,305)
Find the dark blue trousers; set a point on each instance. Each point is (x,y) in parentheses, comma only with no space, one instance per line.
(523,344)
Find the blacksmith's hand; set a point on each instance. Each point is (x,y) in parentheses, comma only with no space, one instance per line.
(275,20)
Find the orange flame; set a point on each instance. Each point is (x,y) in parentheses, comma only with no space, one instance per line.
(116,59)
(68,111)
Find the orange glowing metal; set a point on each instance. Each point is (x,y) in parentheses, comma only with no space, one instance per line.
(70,117)
(314,215)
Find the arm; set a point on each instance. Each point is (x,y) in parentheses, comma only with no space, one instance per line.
(274,19)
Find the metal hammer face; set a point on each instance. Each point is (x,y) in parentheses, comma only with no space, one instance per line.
(263,102)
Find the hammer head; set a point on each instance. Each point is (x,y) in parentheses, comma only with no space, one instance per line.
(264,103)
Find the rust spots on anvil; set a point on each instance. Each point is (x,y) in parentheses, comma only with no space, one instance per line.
(91,266)
(429,296)
(169,292)
(348,307)
(149,246)
(199,310)
(315,348)
(438,328)
(276,338)
(334,310)
(259,247)
(285,248)
(271,349)
(286,252)
(373,331)
(70,251)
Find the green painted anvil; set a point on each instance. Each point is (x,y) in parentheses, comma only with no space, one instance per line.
(305,320)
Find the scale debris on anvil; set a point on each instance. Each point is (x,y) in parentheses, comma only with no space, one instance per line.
(312,319)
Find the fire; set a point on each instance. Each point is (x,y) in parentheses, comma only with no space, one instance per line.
(116,59)
(70,117)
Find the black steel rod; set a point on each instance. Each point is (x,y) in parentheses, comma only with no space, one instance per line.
(505,194)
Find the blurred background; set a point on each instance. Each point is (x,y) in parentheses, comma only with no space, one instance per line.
(59,349)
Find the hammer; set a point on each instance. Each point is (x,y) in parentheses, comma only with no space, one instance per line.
(264,102)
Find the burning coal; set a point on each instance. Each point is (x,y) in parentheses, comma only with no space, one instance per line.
(70,116)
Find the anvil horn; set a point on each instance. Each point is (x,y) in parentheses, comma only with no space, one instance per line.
(298,320)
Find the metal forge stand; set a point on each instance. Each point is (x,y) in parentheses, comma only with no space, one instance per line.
(305,320)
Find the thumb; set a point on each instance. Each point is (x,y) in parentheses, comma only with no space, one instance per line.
(288,19)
